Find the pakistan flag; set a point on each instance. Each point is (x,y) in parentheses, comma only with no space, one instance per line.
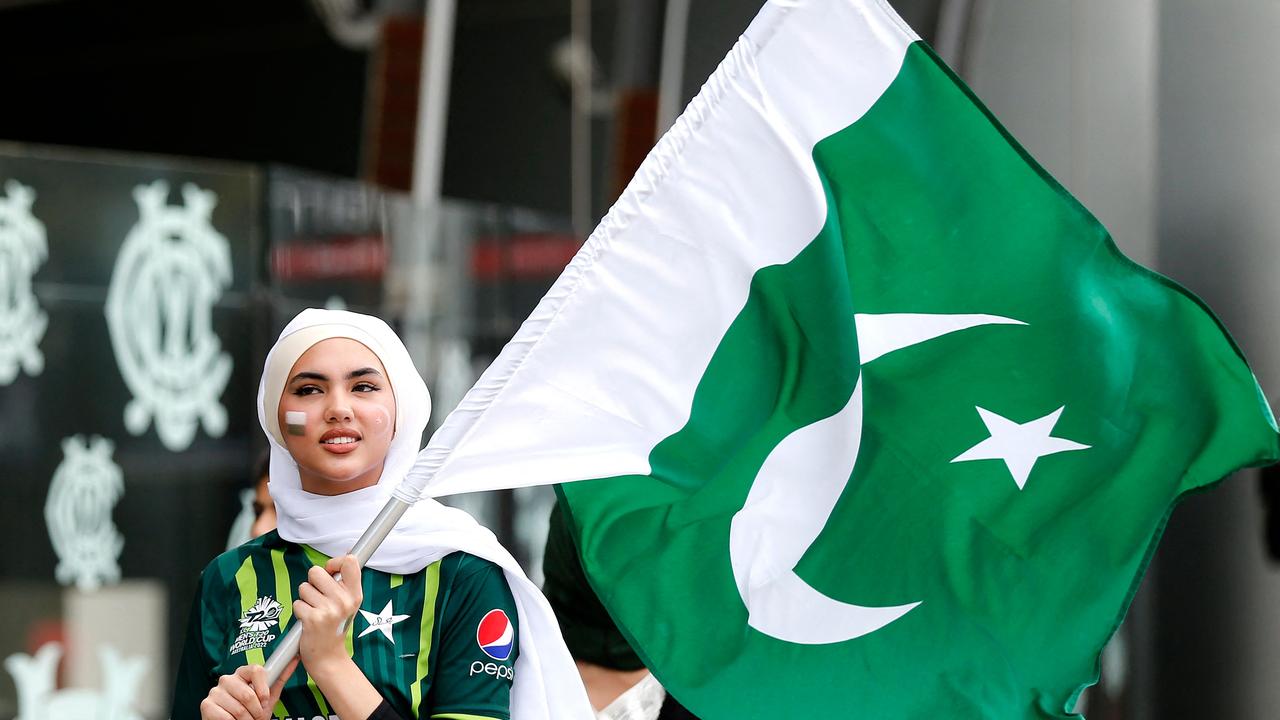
(872,418)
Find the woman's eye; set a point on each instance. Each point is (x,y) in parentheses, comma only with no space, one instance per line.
(306,390)
(365,387)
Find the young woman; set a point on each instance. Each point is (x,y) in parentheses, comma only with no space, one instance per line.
(441,623)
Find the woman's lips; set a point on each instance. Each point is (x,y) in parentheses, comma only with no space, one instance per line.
(340,442)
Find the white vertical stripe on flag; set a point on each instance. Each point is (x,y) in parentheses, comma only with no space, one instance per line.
(607,364)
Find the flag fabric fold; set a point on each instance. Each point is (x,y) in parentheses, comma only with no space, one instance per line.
(875,419)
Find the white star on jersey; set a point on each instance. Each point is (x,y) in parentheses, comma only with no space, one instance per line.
(381,622)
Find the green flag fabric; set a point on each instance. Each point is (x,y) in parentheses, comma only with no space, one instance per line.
(874,419)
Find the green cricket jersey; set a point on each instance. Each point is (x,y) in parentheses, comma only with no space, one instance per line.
(440,643)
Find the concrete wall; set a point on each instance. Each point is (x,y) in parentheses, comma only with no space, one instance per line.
(1219,226)
(1075,82)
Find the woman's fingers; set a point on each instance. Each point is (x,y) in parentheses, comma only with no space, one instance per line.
(324,580)
(310,594)
(346,593)
(301,610)
(350,570)
(209,710)
(320,605)
(347,572)
(242,692)
(256,677)
(236,698)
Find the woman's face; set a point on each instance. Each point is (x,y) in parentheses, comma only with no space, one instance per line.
(337,414)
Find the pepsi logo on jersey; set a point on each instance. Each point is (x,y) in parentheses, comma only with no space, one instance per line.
(495,635)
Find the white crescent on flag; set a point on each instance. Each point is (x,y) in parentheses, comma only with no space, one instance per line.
(797,489)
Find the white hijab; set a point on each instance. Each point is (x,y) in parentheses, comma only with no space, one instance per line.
(546,682)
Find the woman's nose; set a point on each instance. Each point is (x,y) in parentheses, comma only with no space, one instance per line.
(338,409)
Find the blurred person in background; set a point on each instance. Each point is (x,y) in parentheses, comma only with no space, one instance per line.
(257,514)
(449,624)
(264,508)
(1269,486)
(618,684)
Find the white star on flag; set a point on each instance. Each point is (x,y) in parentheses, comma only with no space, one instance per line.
(382,621)
(1019,445)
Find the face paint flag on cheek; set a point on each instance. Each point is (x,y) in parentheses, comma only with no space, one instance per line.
(295,422)
(380,420)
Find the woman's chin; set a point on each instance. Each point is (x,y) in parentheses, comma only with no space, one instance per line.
(333,479)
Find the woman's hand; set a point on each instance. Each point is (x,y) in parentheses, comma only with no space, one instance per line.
(324,606)
(244,695)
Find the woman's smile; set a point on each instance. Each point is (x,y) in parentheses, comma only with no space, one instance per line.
(340,441)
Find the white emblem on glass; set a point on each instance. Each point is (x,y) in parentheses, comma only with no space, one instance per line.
(23,248)
(36,678)
(85,487)
(170,272)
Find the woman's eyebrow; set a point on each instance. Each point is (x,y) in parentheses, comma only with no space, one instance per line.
(362,372)
(309,375)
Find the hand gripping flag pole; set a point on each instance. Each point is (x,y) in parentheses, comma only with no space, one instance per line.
(406,493)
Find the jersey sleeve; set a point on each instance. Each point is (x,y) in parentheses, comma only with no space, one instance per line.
(475,662)
(196,668)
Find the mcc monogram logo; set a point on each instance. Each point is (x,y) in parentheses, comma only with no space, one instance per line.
(23,247)
(85,487)
(171,271)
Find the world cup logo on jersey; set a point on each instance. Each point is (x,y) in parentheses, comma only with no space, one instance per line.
(85,487)
(23,247)
(171,271)
(495,635)
(263,614)
(255,625)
